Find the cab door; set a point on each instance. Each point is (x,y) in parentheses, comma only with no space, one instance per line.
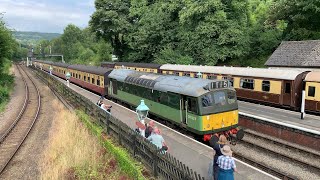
(183,109)
(286,93)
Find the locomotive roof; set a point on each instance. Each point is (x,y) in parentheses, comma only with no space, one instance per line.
(143,65)
(176,84)
(313,76)
(287,74)
(90,69)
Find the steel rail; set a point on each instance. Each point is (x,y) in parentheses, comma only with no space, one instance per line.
(29,126)
(270,170)
(4,135)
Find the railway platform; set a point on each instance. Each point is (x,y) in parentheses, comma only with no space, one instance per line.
(310,122)
(190,152)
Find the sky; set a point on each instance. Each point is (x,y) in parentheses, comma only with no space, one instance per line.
(46,15)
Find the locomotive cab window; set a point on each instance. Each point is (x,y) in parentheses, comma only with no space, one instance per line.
(247,83)
(192,105)
(311,91)
(266,86)
(232,98)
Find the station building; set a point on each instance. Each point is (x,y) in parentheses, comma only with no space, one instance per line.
(296,54)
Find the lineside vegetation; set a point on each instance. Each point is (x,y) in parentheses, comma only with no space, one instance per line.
(76,151)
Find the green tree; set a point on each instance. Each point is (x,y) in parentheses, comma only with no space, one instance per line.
(214,30)
(155,28)
(111,21)
(302,18)
(7,44)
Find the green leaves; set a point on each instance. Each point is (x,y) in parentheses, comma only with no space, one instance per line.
(302,17)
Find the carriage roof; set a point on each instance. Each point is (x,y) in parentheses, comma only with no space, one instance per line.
(285,74)
(90,69)
(142,65)
(313,76)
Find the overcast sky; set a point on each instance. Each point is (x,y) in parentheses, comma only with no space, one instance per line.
(45,15)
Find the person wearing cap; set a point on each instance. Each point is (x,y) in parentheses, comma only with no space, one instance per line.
(226,164)
(149,128)
(157,139)
(213,166)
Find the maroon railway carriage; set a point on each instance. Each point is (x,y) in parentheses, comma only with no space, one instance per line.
(90,77)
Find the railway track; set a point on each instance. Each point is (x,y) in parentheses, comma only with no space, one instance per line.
(13,138)
(279,149)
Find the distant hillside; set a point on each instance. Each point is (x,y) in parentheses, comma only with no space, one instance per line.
(33,37)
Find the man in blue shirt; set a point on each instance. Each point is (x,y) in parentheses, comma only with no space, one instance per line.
(226,164)
(156,139)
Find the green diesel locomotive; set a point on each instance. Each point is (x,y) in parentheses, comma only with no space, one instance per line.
(202,106)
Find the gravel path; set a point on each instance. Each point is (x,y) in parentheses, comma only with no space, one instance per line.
(15,104)
(25,163)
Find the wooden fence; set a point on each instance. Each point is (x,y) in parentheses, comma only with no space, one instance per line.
(164,166)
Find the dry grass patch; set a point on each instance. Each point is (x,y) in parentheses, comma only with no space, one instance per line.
(74,153)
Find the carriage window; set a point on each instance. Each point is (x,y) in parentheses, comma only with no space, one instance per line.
(186,74)
(266,86)
(311,91)
(247,83)
(288,88)
(88,79)
(177,74)
(76,75)
(79,76)
(92,80)
(230,80)
(232,97)
(98,82)
(212,77)
(85,78)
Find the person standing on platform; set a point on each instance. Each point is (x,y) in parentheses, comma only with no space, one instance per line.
(149,128)
(217,148)
(226,164)
(157,139)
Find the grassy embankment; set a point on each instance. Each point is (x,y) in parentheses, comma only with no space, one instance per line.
(77,151)
(6,84)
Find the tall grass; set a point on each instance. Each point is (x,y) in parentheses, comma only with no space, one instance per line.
(6,86)
(126,162)
(75,153)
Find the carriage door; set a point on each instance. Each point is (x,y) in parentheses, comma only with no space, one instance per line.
(286,93)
